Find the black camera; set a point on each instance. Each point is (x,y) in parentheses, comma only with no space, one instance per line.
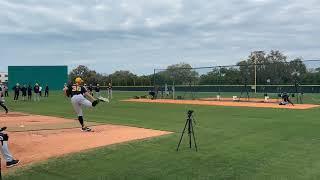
(190,113)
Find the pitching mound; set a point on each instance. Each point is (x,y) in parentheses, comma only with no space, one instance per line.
(224,103)
(13,114)
(39,145)
(16,121)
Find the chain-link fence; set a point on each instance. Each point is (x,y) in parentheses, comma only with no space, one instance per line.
(244,81)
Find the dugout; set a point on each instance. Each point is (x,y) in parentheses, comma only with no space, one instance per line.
(54,76)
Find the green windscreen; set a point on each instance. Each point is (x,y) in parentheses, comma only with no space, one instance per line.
(53,76)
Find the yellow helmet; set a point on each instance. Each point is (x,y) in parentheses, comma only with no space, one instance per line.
(78,80)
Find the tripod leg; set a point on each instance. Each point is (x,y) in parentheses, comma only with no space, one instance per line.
(184,129)
(194,138)
(189,132)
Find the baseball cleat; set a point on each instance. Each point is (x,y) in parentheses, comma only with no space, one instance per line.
(12,163)
(86,129)
(94,103)
(3,128)
(103,99)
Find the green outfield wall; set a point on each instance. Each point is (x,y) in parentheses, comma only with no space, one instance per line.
(54,76)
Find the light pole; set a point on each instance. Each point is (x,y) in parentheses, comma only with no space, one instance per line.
(255,74)
(255,53)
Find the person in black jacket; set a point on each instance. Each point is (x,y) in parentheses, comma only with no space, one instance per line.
(6,91)
(110,91)
(46,91)
(16,90)
(29,89)
(97,89)
(90,89)
(285,99)
(36,90)
(24,92)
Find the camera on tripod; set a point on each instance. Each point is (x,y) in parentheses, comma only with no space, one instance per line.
(190,113)
(189,127)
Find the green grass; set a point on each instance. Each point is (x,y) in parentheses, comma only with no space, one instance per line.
(234,143)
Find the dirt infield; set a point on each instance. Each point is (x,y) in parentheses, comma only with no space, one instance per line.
(224,103)
(259,100)
(33,144)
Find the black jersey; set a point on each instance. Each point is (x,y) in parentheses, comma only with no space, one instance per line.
(29,90)
(285,98)
(16,89)
(75,90)
(90,88)
(24,91)
(97,89)
(36,89)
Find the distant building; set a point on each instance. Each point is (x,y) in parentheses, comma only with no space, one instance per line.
(4,77)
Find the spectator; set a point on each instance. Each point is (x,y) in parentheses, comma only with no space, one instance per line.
(16,90)
(29,92)
(46,91)
(24,92)
(6,91)
(36,90)
(40,90)
(110,91)
(90,89)
(97,89)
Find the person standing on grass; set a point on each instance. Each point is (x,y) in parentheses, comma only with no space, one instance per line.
(16,90)
(40,90)
(110,91)
(36,91)
(24,92)
(90,89)
(46,91)
(6,91)
(29,89)
(97,89)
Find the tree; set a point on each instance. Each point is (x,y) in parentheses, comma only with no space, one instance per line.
(123,78)
(181,74)
(84,72)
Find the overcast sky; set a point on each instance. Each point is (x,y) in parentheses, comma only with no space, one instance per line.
(139,35)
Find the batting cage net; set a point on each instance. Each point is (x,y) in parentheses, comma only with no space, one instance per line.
(246,81)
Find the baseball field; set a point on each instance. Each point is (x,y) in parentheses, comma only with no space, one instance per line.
(233,142)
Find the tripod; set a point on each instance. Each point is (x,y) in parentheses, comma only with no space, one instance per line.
(189,123)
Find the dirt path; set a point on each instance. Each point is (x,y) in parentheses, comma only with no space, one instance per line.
(39,145)
(224,103)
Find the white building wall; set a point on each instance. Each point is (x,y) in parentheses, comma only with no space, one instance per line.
(3,77)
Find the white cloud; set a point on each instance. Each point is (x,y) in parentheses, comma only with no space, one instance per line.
(111,34)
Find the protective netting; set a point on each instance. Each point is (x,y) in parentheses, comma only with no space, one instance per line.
(245,81)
